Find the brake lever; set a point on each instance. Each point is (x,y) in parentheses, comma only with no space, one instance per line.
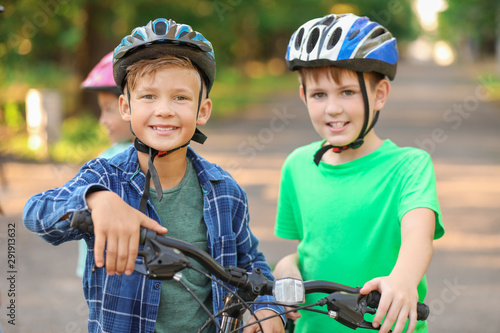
(160,261)
(350,309)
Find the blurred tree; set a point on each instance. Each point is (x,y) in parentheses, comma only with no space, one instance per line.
(473,26)
(55,43)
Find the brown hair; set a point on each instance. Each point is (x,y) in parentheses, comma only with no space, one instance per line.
(336,73)
(145,67)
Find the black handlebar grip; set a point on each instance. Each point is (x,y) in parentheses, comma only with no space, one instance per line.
(374,298)
(82,220)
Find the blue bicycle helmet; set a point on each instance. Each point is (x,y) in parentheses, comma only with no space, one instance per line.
(164,37)
(350,42)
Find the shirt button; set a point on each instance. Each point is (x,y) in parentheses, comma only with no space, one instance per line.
(157,285)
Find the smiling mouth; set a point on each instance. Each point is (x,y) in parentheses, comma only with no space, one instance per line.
(337,124)
(165,129)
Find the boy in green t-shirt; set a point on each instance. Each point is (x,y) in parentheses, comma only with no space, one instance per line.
(364,210)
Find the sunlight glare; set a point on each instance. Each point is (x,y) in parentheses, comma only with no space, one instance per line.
(427,11)
(443,53)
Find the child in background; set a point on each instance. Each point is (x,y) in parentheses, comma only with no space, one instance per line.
(100,80)
(365,211)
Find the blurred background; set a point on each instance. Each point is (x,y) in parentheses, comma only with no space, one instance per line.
(51,45)
(445,99)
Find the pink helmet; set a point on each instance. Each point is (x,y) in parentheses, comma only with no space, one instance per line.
(101,78)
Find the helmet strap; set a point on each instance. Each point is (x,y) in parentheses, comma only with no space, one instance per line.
(364,131)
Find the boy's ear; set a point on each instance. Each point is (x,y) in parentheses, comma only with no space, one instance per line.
(382,90)
(205,111)
(124,107)
(302,94)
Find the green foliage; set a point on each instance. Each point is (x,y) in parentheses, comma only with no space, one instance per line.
(82,139)
(473,22)
(233,91)
(492,85)
(67,34)
(55,43)
(13,116)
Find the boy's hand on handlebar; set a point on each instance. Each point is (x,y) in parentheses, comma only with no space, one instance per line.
(273,325)
(292,315)
(397,304)
(117,229)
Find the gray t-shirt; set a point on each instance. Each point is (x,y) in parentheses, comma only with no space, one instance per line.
(181,212)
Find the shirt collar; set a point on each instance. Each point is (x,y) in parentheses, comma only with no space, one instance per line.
(128,163)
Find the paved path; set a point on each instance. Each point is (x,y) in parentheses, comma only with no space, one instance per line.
(442,110)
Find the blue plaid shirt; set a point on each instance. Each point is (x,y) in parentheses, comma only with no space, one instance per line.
(130,303)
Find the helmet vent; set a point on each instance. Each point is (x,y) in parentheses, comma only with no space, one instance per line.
(298,40)
(354,34)
(160,28)
(329,20)
(182,34)
(313,40)
(378,32)
(334,39)
(138,36)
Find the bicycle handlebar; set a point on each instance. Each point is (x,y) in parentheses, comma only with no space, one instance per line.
(164,256)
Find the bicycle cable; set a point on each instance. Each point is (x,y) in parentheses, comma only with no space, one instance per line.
(213,317)
(178,277)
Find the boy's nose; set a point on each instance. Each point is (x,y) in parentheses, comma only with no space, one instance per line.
(102,118)
(333,108)
(164,110)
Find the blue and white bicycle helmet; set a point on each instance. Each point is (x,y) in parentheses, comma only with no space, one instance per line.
(350,42)
(159,38)
(347,41)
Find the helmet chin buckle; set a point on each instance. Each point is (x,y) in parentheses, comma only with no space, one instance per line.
(357,143)
(354,145)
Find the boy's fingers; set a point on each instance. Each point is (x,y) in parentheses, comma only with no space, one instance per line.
(133,251)
(383,308)
(412,322)
(111,253)
(99,244)
(151,224)
(122,255)
(401,321)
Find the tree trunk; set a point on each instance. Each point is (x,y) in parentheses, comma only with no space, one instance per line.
(92,48)
(497,48)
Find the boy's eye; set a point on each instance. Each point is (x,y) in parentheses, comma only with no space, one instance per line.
(347,92)
(318,95)
(148,97)
(181,98)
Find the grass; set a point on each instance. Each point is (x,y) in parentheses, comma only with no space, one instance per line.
(492,85)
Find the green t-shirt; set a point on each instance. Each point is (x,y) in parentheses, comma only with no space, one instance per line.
(347,217)
(181,212)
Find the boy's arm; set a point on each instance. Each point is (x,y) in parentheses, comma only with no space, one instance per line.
(46,214)
(288,267)
(399,289)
